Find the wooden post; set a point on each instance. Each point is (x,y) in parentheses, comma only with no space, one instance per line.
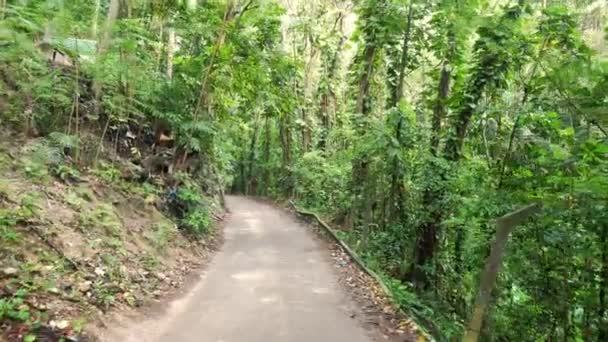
(505,226)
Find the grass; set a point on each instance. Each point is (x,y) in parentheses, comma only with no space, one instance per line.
(160,235)
(103,216)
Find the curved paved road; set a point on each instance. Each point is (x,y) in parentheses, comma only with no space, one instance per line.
(270,282)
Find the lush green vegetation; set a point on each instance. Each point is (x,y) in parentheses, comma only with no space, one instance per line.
(412,124)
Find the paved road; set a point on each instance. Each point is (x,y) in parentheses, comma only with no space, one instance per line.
(272,281)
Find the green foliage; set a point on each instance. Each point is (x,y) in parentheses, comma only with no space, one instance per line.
(38,158)
(104,217)
(523,127)
(107,172)
(197,222)
(65,172)
(13,308)
(271,103)
(191,208)
(160,235)
(8,219)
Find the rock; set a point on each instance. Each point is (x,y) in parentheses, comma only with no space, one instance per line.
(54,290)
(62,324)
(85,286)
(66,287)
(10,272)
(161,276)
(99,271)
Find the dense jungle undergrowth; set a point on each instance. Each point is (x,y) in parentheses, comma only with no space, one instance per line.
(411,125)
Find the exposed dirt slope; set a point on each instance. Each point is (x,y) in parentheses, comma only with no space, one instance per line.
(71,249)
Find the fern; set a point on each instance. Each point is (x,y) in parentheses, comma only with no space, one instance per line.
(64,141)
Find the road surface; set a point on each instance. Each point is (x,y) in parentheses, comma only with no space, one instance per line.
(270,282)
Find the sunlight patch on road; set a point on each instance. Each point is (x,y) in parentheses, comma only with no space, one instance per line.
(255,275)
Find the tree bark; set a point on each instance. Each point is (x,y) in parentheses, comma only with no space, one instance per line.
(267,142)
(203,96)
(286,146)
(251,188)
(95,20)
(439,109)
(602,310)
(364,81)
(398,90)
(361,164)
(427,236)
(397,194)
(327,101)
(107,29)
(102,47)
(170,52)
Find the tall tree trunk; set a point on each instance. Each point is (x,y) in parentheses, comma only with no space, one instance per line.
(102,47)
(286,146)
(95,21)
(306,130)
(307,123)
(107,29)
(397,94)
(251,183)
(361,163)
(397,194)
(369,54)
(603,306)
(427,236)
(327,107)
(203,96)
(443,92)
(170,51)
(267,142)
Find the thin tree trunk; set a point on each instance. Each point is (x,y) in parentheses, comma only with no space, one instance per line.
(397,194)
(267,142)
(107,30)
(602,309)
(327,102)
(102,47)
(251,188)
(204,91)
(170,52)
(364,81)
(95,20)
(361,164)
(439,109)
(285,136)
(159,50)
(524,100)
(427,236)
(398,91)
(2,8)
(306,127)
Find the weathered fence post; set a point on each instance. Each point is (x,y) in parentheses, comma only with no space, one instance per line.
(504,227)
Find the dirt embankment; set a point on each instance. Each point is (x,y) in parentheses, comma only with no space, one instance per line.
(75,244)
